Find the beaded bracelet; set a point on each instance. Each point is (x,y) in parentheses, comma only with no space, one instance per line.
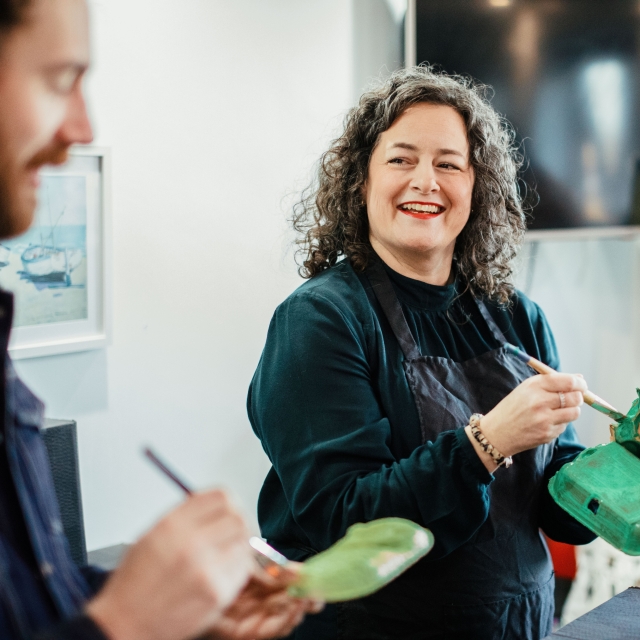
(487,447)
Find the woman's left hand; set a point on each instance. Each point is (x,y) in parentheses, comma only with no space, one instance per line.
(264,609)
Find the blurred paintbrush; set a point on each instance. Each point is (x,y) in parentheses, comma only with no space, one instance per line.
(272,561)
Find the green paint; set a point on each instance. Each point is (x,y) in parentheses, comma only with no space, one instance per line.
(601,487)
(369,556)
(628,431)
(618,417)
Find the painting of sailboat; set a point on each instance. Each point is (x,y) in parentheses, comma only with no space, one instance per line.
(48,264)
(46,267)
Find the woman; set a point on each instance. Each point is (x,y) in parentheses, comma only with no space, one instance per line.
(365,395)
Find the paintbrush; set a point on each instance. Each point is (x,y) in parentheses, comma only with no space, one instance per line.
(590,398)
(266,556)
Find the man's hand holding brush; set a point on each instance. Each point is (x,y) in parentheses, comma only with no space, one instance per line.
(195,574)
(176,581)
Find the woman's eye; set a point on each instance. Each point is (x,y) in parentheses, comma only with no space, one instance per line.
(397,161)
(448,165)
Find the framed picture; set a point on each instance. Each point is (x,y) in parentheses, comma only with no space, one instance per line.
(59,270)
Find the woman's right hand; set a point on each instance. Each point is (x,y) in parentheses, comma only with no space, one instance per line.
(532,414)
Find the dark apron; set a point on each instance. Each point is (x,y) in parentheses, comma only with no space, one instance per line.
(500,584)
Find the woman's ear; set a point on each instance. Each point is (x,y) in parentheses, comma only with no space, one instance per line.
(363,193)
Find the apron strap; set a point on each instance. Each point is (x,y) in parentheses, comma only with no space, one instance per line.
(383,290)
(497,334)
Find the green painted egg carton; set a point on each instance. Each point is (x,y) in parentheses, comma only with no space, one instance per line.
(601,487)
(369,557)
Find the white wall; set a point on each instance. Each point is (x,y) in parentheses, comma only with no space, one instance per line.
(377,41)
(590,292)
(215,111)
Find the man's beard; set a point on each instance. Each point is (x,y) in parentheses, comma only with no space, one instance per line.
(7,200)
(17,199)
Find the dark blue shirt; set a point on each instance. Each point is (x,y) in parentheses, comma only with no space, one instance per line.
(42,592)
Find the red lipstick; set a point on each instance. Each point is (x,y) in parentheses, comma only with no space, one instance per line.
(414,211)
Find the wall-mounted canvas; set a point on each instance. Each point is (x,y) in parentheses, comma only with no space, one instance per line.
(58,270)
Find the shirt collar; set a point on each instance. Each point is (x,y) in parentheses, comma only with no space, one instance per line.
(6,317)
(415,293)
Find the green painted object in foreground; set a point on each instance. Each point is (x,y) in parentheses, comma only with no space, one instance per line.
(369,556)
(628,431)
(601,487)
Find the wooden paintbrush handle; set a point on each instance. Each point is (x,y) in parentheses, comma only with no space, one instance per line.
(540,367)
(590,398)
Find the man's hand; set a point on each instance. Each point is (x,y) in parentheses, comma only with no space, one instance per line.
(177,579)
(264,609)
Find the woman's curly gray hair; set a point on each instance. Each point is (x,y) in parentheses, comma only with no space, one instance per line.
(331,217)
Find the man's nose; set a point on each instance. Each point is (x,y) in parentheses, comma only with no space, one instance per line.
(76,127)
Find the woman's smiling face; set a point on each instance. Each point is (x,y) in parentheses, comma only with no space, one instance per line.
(420,184)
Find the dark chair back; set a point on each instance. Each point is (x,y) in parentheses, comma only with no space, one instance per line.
(60,438)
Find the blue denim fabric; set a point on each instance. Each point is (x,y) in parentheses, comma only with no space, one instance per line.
(23,609)
(28,605)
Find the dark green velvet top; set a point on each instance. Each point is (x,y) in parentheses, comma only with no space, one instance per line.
(333,410)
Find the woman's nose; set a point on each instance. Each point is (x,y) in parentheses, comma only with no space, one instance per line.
(424,180)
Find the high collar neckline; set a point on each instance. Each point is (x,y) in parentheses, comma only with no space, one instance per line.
(415,293)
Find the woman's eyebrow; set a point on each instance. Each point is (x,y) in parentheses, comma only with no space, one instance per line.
(413,147)
(447,152)
(403,145)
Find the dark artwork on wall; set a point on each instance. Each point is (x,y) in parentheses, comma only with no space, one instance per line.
(566,73)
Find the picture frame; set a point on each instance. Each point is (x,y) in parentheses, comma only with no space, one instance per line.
(60,269)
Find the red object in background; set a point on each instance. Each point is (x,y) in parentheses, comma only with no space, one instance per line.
(564,559)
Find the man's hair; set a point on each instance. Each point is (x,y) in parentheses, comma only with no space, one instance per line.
(331,218)
(12,14)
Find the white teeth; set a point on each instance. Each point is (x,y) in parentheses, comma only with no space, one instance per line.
(422,208)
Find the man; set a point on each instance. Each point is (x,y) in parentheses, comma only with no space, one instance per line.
(193,573)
